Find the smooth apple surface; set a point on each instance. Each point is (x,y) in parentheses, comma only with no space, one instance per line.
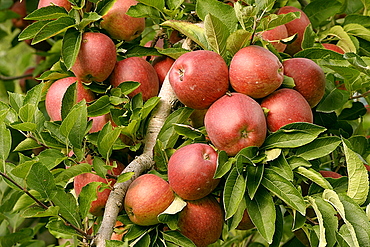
(255,71)
(139,70)
(330,174)
(147,197)
(61,3)
(246,222)
(98,122)
(333,47)
(199,78)
(96,59)
(121,26)
(275,35)
(54,96)
(296,26)
(309,78)
(162,65)
(286,106)
(234,122)
(20,8)
(191,169)
(202,221)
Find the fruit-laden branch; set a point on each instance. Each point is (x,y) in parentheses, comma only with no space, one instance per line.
(139,165)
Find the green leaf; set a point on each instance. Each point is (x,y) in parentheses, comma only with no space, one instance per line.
(40,179)
(148,106)
(320,10)
(233,192)
(216,34)
(169,216)
(34,95)
(72,172)
(128,87)
(51,158)
(100,107)
(27,126)
(224,164)
(71,46)
(26,113)
(68,207)
(355,112)
(345,41)
(59,229)
(143,11)
(358,31)
(254,177)
(314,176)
(358,179)
(106,139)
(39,212)
(357,62)
(284,189)
(125,177)
(318,148)
(177,238)
(333,100)
(100,167)
(27,144)
(237,40)
(174,53)
(88,18)
(53,28)
(158,4)
(47,13)
(271,21)
(5,142)
(87,195)
(281,166)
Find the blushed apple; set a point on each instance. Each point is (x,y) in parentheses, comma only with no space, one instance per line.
(119,25)
(162,65)
(139,70)
(333,47)
(96,58)
(285,106)
(199,78)
(275,35)
(191,169)
(255,71)
(202,221)
(309,78)
(98,122)
(330,174)
(147,197)
(55,94)
(61,3)
(20,8)
(235,121)
(246,222)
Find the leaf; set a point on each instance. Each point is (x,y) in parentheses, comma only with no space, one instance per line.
(358,179)
(237,40)
(68,207)
(40,179)
(357,62)
(216,34)
(158,4)
(27,144)
(72,172)
(125,177)
(59,229)
(88,18)
(169,216)
(233,192)
(34,95)
(314,176)
(320,10)
(281,166)
(47,13)
(51,158)
(254,177)
(177,238)
(283,189)
(5,142)
(174,53)
(106,139)
(71,46)
(87,195)
(319,53)
(318,148)
(100,107)
(26,113)
(358,31)
(333,100)
(53,28)
(143,11)
(224,164)
(345,41)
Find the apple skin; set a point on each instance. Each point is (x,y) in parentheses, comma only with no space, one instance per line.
(136,69)
(147,197)
(202,221)
(54,96)
(162,65)
(62,3)
(96,59)
(246,222)
(286,106)
(191,169)
(97,206)
(309,78)
(297,26)
(330,174)
(98,122)
(255,71)
(276,34)
(199,78)
(234,122)
(121,26)
(333,47)
(20,8)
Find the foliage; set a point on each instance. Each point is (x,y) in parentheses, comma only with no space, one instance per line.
(279,183)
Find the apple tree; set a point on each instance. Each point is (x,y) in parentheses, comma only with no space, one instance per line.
(184,123)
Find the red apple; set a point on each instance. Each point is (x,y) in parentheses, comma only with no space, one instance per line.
(202,221)
(96,59)
(234,122)
(255,71)
(97,206)
(309,78)
(162,65)
(62,3)
(297,26)
(286,106)
(275,35)
(119,231)
(147,197)
(98,122)
(191,169)
(20,8)
(246,222)
(27,82)
(199,78)
(367,167)
(330,174)
(333,47)
(54,96)
(119,25)
(136,69)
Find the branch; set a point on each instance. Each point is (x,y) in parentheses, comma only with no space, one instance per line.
(139,165)
(11,78)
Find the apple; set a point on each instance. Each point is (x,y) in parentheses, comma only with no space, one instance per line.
(81,180)
(20,8)
(309,78)
(119,231)
(147,197)
(139,70)
(333,47)
(98,122)
(55,93)
(162,65)
(275,35)
(62,3)
(286,106)
(199,78)
(175,37)
(246,222)
(96,58)
(29,81)
(255,71)
(235,121)
(191,169)
(202,221)
(296,26)
(330,174)
(119,25)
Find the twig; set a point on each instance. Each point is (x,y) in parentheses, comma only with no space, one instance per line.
(360,95)
(11,78)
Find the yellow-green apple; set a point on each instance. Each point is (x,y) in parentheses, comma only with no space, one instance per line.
(96,58)
(61,3)
(191,169)
(202,221)
(97,206)
(147,197)
(235,121)
(275,35)
(333,47)
(246,222)
(285,106)
(309,78)
(199,78)
(330,174)
(296,26)
(119,25)
(139,70)
(55,94)
(255,71)
(162,65)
